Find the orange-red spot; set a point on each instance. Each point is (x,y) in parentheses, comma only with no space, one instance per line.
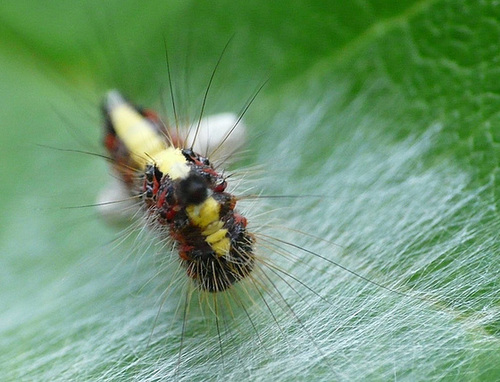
(156,186)
(151,115)
(161,199)
(239,219)
(221,187)
(110,142)
(184,250)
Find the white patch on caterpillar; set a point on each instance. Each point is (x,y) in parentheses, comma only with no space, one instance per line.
(223,132)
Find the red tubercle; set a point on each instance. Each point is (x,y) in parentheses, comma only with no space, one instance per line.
(184,249)
(220,187)
(183,254)
(151,115)
(110,142)
(161,199)
(239,219)
(170,213)
(170,216)
(156,186)
(207,170)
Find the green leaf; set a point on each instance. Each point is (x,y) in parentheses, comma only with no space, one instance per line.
(388,109)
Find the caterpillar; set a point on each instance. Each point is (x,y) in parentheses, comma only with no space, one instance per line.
(184,196)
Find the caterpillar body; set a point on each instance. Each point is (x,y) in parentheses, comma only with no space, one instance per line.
(184,196)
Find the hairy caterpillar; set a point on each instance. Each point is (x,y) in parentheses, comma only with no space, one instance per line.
(358,128)
(184,196)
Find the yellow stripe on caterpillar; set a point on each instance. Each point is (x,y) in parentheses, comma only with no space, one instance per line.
(222,247)
(212,228)
(206,216)
(172,162)
(142,140)
(216,237)
(136,132)
(202,215)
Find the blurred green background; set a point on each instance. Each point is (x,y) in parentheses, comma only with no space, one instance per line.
(388,108)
